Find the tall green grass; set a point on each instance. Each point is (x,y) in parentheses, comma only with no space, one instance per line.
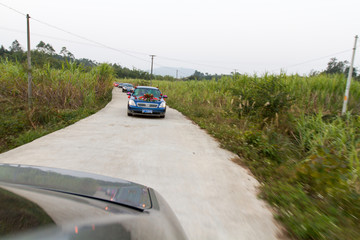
(289,132)
(60,97)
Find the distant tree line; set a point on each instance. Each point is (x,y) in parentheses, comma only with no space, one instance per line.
(204,76)
(124,72)
(333,67)
(45,55)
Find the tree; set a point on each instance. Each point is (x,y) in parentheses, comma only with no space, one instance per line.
(201,76)
(66,53)
(354,73)
(3,51)
(45,48)
(15,47)
(197,75)
(336,67)
(314,73)
(41,46)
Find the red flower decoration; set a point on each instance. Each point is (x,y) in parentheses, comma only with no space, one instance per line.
(148,97)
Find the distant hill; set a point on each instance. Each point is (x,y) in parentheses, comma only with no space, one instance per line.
(169,71)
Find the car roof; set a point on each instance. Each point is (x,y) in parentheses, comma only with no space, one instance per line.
(147,87)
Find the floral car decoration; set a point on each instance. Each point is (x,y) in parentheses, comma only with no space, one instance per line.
(148,97)
(146,100)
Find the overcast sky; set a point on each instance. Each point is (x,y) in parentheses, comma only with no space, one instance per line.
(214,36)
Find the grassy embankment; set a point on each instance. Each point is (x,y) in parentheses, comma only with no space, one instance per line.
(60,98)
(288,132)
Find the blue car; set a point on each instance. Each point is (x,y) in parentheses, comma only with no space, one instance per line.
(146,101)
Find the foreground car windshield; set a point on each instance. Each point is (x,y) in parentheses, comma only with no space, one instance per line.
(141,91)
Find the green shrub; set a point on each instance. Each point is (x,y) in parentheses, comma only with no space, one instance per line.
(266,97)
(60,97)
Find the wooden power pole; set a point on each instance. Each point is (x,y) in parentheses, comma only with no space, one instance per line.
(29,62)
(152,65)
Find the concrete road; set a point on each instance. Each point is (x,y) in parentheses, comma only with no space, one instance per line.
(213,197)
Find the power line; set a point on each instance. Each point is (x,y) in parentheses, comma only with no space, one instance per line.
(312,60)
(121,51)
(76,35)
(87,39)
(126,52)
(46,36)
(13,9)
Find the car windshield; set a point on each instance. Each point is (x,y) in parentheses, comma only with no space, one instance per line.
(128,85)
(142,91)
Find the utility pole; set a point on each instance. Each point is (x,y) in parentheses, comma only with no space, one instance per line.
(29,62)
(348,83)
(177,74)
(234,73)
(152,65)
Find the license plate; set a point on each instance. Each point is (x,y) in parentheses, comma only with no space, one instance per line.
(147,111)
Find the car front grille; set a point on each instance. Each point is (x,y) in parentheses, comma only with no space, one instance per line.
(147,105)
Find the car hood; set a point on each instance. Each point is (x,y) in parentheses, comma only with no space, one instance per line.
(110,208)
(78,183)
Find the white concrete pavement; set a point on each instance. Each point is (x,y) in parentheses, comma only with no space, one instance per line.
(213,197)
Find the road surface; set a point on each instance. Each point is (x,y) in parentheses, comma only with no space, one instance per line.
(213,197)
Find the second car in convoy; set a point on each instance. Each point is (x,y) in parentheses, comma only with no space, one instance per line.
(127,87)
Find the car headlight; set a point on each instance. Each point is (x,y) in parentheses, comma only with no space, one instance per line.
(162,105)
(132,103)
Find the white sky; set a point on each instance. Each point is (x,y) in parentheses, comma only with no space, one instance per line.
(214,36)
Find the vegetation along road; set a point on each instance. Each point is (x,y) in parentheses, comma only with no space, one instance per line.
(287,130)
(213,197)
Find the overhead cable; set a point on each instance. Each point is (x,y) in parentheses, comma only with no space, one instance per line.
(312,60)
(13,9)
